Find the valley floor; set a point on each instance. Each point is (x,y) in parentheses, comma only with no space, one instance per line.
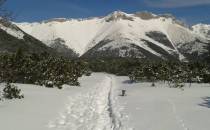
(97,105)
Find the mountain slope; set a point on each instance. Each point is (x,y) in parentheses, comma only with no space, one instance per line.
(59,46)
(139,35)
(202,29)
(12,38)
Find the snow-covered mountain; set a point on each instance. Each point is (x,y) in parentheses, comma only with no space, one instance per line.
(139,35)
(13,38)
(202,29)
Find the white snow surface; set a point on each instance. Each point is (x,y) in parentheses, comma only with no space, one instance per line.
(164,108)
(202,30)
(97,105)
(14,32)
(81,35)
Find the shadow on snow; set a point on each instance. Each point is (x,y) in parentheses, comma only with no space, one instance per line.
(206,102)
(127,82)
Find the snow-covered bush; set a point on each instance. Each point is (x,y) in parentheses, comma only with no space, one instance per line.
(49,84)
(11,91)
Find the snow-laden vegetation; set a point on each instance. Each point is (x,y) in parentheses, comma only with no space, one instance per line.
(167,71)
(42,69)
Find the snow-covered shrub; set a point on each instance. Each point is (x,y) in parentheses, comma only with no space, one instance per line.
(48,84)
(11,91)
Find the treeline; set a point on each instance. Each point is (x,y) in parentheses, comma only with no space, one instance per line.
(144,70)
(40,69)
(174,73)
(51,71)
(117,66)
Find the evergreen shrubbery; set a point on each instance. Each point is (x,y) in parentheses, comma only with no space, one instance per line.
(40,69)
(52,71)
(12,92)
(174,73)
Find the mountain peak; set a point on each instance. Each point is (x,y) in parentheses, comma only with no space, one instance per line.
(145,15)
(117,15)
(118,12)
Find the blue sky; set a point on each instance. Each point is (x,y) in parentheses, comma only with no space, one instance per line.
(189,11)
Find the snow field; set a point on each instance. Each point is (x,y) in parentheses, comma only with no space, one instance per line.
(96,105)
(163,108)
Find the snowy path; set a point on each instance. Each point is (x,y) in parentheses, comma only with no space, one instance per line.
(91,110)
(179,120)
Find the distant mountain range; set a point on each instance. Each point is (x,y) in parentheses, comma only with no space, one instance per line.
(140,35)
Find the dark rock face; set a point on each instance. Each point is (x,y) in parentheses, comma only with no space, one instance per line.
(145,15)
(161,38)
(109,52)
(192,53)
(104,49)
(164,54)
(131,50)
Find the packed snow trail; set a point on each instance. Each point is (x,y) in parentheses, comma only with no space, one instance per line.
(177,117)
(92,110)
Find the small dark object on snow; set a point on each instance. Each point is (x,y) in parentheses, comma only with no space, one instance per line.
(153,84)
(123,93)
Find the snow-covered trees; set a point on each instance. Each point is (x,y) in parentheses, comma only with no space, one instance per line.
(50,71)
(40,69)
(172,72)
(175,73)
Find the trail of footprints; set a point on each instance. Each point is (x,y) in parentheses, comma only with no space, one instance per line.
(177,117)
(87,111)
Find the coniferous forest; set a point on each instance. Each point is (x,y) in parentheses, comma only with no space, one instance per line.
(153,71)
(51,71)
